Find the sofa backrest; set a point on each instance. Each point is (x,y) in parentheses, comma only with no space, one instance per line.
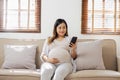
(109,50)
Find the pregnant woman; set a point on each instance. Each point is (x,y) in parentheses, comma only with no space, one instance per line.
(56,55)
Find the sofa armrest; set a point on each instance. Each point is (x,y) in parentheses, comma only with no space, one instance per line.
(118,63)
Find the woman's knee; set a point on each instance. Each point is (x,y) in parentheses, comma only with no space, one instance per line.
(47,68)
(65,68)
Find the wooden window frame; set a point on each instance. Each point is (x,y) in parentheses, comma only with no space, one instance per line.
(103,30)
(27,30)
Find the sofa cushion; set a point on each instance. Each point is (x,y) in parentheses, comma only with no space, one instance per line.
(94,75)
(19,57)
(89,55)
(19,74)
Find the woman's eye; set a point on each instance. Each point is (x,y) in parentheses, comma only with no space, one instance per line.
(59,27)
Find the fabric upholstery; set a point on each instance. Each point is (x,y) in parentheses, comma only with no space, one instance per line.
(37,42)
(19,57)
(89,55)
(108,52)
(95,73)
(109,57)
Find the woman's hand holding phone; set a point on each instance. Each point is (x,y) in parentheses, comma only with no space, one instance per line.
(73,47)
(73,41)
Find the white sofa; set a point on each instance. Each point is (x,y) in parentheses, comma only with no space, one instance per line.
(111,61)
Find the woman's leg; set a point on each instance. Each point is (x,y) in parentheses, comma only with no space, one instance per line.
(62,71)
(47,71)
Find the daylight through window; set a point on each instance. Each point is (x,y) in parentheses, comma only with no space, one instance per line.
(20,15)
(100,17)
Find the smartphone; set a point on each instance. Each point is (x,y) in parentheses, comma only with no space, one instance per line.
(73,40)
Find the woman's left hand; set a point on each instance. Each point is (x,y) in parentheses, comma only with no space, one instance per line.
(73,46)
(73,51)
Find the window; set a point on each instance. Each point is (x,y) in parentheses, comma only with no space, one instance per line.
(20,15)
(100,17)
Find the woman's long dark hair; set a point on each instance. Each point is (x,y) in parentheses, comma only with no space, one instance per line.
(55,35)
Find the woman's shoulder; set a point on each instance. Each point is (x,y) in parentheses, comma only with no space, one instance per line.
(47,39)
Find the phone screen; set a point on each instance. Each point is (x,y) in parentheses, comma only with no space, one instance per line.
(73,40)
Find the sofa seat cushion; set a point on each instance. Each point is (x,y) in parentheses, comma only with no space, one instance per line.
(94,74)
(20,72)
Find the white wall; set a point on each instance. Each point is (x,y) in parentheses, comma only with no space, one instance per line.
(70,10)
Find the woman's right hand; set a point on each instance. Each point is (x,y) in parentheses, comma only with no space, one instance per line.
(53,60)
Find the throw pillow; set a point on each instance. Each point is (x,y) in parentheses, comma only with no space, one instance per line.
(89,55)
(61,54)
(19,57)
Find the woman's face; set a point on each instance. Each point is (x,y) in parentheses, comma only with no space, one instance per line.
(61,30)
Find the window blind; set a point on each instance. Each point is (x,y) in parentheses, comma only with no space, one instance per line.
(20,15)
(100,17)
